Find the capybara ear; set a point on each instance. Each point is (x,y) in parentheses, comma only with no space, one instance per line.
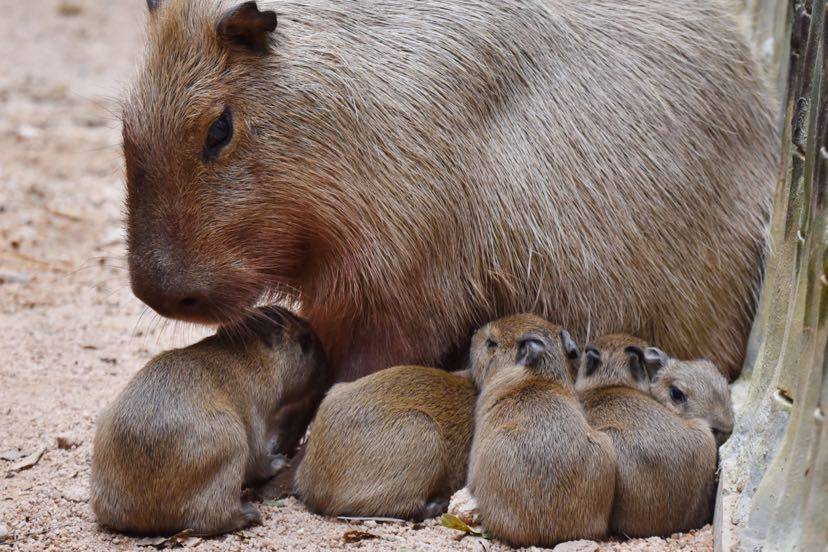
(636,362)
(153,4)
(530,350)
(592,361)
(569,346)
(247,28)
(654,360)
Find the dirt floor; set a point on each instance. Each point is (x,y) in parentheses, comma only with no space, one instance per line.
(71,333)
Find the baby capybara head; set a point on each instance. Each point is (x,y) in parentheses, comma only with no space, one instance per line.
(194,129)
(522,341)
(277,340)
(694,389)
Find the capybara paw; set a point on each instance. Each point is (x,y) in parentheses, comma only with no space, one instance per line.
(249,515)
(278,462)
(435,507)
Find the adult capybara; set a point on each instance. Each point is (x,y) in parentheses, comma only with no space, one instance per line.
(407,170)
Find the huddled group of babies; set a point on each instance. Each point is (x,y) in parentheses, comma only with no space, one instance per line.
(554,443)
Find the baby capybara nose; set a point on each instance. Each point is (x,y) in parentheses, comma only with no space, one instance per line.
(721,435)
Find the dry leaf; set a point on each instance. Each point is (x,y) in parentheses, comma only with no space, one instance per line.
(181,539)
(356,536)
(67,441)
(26,462)
(453,522)
(464,506)
(68,9)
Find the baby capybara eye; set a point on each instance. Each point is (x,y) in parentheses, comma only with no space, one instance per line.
(677,395)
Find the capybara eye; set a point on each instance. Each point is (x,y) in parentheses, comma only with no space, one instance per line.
(491,344)
(676,395)
(219,135)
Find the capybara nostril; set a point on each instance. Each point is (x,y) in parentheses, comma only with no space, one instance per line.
(172,300)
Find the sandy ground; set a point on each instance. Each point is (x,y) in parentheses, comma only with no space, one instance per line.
(71,333)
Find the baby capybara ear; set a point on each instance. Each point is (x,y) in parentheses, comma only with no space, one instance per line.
(245,27)
(654,360)
(636,363)
(569,346)
(152,5)
(530,349)
(592,361)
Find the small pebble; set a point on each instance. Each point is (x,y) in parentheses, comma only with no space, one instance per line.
(8,277)
(577,546)
(76,493)
(27,131)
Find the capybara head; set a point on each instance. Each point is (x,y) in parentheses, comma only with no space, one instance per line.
(279,340)
(522,341)
(194,129)
(693,389)
(610,360)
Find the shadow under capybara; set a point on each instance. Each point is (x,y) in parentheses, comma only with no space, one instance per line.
(352,155)
(392,444)
(194,425)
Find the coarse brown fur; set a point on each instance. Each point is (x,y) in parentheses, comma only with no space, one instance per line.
(666,464)
(539,473)
(174,449)
(379,145)
(393,444)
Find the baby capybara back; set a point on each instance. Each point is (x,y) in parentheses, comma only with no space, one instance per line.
(392,444)
(541,475)
(354,154)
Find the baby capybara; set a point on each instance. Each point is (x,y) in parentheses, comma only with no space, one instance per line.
(541,475)
(392,444)
(194,425)
(666,464)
